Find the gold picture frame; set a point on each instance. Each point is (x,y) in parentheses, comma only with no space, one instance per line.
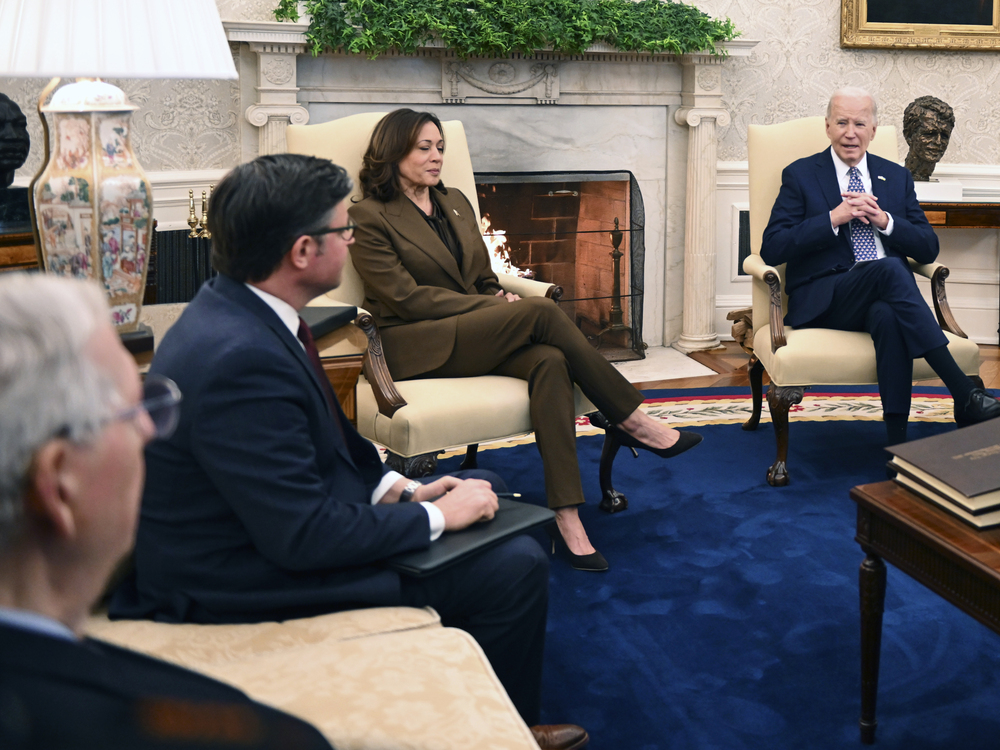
(920,24)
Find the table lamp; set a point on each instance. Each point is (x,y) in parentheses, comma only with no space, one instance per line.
(91,201)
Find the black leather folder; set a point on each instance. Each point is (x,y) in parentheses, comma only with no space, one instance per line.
(511,519)
(322,320)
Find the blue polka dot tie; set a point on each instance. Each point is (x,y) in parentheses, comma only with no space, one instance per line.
(862,235)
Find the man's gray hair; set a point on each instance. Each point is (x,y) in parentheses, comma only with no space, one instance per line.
(853,91)
(48,385)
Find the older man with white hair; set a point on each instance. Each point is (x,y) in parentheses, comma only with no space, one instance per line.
(74,419)
(845,222)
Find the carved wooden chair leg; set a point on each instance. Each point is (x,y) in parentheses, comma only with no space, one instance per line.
(470,462)
(779,400)
(612,501)
(755,371)
(414,467)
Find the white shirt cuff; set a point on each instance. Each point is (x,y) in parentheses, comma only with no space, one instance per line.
(889,226)
(382,487)
(436,517)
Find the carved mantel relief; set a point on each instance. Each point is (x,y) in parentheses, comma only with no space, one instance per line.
(506,79)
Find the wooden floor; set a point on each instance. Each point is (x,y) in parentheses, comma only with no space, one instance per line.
(730,364)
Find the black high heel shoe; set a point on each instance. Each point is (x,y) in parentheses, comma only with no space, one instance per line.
(686,441)
(594,562)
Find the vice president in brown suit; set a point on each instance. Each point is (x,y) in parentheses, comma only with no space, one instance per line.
(442,313)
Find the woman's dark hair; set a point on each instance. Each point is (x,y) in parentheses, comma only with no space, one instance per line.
(393,138)
(260,208)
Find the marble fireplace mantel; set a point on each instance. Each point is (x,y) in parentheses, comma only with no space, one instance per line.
(655,115)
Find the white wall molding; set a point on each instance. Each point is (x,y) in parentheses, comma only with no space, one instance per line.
(170,194)
(268,32)
(733,175)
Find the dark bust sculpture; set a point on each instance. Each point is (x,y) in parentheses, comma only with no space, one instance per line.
(14,141)
(927,126)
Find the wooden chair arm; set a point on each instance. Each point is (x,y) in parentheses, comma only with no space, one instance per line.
(937,273)
(377,371)
(529,287)
(757,268)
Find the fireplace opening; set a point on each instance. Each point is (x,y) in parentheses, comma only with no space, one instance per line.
(582,231)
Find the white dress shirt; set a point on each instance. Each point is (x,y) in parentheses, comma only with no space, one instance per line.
(290,317)
(844,177)
(35,623)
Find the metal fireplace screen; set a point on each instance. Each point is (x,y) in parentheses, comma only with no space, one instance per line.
(560,226)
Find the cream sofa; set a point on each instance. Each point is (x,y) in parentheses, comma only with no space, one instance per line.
(388,677)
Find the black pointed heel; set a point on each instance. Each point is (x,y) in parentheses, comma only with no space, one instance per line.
(686,441)
(593,563)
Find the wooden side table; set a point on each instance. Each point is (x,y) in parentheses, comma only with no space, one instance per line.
(951,558)
(342,353)
(17,252)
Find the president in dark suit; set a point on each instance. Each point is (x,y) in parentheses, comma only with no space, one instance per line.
(845,222)
(266,504)
(73,422)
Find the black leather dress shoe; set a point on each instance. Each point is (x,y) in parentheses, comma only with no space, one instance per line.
(560,736)
(978,407)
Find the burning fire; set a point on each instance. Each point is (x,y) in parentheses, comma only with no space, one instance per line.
(496,242)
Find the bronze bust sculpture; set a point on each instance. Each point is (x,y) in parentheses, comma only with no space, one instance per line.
(927,126)
(14,141)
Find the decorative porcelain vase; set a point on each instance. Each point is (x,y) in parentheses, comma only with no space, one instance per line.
(93,202)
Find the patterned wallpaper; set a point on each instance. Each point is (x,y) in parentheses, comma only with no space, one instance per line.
(799,62)
(246,10)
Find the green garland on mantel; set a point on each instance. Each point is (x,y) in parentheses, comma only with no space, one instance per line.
(497,28)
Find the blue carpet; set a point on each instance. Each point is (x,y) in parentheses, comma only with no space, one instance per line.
(729,618)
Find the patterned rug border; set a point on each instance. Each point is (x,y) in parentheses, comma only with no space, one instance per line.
(707,408)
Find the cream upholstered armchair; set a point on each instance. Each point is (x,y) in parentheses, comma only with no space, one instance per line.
(797,359)
(418,419)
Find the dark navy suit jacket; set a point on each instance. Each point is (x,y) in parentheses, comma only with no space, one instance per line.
(258,507)
(799,232)
(60,694)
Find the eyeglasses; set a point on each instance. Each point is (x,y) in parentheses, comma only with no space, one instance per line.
(345,232)
(161,399)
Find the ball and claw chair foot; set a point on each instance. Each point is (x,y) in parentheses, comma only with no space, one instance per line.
(613,502)
(777,475)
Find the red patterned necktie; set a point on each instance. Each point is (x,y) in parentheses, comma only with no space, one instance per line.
(306,337)
(862,235)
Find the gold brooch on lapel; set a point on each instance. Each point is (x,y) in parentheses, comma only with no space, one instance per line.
(881,178)
(456,212)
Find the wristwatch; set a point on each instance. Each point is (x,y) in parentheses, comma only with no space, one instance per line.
(408,491)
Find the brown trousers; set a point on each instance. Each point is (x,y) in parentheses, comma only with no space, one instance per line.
(532,339)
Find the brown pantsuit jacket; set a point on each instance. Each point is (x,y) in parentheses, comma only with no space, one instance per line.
(420,285)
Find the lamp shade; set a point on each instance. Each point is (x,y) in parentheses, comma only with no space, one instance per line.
(113,39)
